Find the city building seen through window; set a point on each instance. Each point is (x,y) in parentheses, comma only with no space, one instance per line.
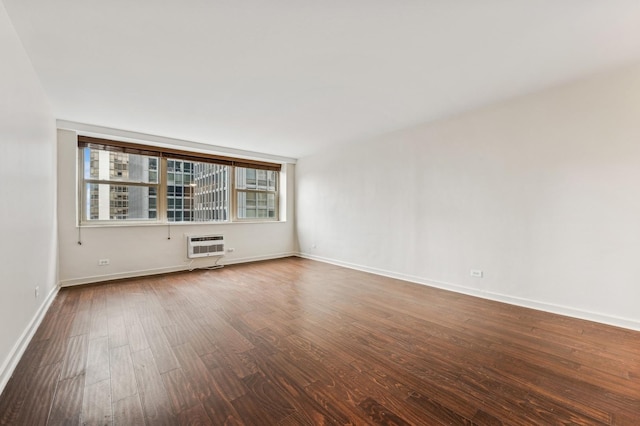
(126,186)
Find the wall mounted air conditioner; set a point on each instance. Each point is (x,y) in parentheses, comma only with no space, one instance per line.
(205,245)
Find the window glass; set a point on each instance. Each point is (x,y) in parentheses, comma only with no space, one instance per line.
(110,193)
(122,186)
(196,184)
(256,193)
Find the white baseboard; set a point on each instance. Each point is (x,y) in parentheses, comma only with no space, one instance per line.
(518,301)
(259,258)
(10,363)
(198,263)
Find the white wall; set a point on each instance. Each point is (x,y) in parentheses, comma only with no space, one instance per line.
(542,193)
(142,250)
(28,241)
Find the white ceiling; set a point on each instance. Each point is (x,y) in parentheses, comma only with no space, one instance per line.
(293,77)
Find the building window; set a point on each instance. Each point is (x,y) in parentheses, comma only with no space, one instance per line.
(120,183)
(119,186)
(256,193)
(190,184)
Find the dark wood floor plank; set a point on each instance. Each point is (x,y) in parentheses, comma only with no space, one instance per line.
(485,419)
(264,402)
(195,371)
(221,412)
(75,358)
(135,332)
(115,303)
(194,416)
(96,404)
(17,391)
(44,388)
(155,401)
(380,415)
(228,384)
(335,396)
(174,335)
(81,322)
(242,364)
(98,366)
(58,303)
(179,390)
(165,360)
(117,331)
(302,419)
(152,306)
(185,330)
(293,341)
(438,412)
(99,324)
(56,344)
(477,382)
(99,299)
(67,405)
(85,299)
(51,323)
(14,396)
(123,379)
(128,412)
(308,410)
(70,303)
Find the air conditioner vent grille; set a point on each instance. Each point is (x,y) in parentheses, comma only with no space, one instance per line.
(205,245)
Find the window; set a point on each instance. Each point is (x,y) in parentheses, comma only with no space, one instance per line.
(257,193)
(210,201)
(130,182)
(190,184)
(119,186)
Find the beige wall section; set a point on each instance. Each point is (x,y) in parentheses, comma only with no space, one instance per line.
(28,240)
(542,193)
(141,250)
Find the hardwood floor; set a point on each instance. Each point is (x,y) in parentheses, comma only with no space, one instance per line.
(297,342)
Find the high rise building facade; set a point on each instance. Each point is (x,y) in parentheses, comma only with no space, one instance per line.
(196,192)
(120,200)
(256,193)
(211,192)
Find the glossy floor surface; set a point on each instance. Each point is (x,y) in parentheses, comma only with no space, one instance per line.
(297,342)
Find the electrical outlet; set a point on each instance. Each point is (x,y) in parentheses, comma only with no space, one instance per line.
(103,262)
(231,250)
(37,292)
(476,273)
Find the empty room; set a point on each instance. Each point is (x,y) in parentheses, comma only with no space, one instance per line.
(308,213)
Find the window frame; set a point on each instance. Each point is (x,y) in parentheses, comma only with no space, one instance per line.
(83,182)
(236,204)
(164,155)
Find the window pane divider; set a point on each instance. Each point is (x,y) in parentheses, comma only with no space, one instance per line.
(120,182)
